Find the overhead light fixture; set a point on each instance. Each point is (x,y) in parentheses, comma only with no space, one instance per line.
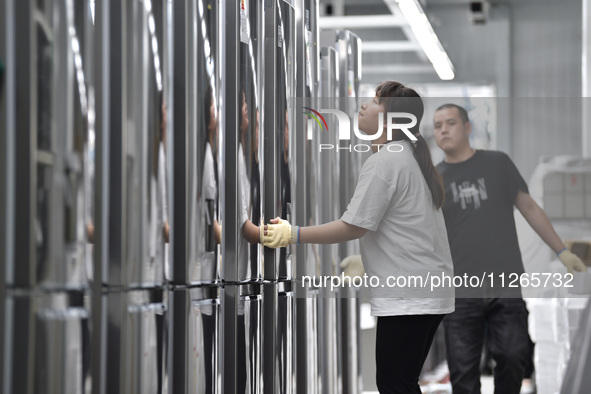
(423,31)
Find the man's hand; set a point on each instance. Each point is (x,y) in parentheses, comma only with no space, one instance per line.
(279,234)
(571,261)
(353,266)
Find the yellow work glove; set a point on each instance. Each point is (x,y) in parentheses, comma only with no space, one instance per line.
(571,261)
(279,234)
(353,266)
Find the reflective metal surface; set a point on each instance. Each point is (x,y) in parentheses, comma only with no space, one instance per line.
(55,350)
(250,156)
(135,341)
(203,346)
(150,139)
(249,349)
(284,358)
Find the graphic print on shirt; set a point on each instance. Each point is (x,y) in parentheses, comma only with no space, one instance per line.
(469,193)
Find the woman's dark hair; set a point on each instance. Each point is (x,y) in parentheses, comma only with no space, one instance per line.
(395,97)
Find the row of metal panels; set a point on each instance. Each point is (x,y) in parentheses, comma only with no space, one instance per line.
(140,154)
(145,141)
(138,341)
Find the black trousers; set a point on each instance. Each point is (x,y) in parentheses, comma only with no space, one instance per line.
(402,345)
(504,323)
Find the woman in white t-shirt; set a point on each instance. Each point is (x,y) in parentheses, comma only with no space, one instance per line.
(396,213)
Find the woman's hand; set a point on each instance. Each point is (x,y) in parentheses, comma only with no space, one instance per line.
(279,234)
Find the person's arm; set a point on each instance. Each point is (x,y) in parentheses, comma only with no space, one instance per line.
(538,220)
(328,233)
(251,232)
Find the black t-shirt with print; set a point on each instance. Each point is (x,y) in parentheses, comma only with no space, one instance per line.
(478,210)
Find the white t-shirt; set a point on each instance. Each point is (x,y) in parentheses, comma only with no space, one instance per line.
(243,215)
(407,235)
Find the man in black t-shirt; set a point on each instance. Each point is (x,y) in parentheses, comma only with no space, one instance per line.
(481,188)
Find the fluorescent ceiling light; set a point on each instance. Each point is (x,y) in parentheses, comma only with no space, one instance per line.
(390,46)
(361,22)
(423,31)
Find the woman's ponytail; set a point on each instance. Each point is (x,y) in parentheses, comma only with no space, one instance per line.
(395,97)
(422,155)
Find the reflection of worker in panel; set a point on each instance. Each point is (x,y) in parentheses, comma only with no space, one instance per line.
(202,313)
(250,232)
(162,179)
(285,183)
(255,187)
(481,189)
(159,201)
(395,212)
(213,234)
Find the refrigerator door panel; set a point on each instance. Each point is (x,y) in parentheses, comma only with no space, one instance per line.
(308,342)
(146,342)
(59,351)
(329,332)
(284,362)
(203,162)
(50,139)
(203,350)
(50,349)
(351,340)
(285,125)
(132,150)
(135,342)
(250,159)
(249,347)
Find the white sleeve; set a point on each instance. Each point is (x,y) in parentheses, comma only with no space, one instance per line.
(244,188)
(371,199)
(208,185)
(162,184)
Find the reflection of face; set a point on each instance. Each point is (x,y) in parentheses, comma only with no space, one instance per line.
(368,117)
(244,113)
(451,134)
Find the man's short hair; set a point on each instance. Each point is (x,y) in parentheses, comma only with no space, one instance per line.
(463,113)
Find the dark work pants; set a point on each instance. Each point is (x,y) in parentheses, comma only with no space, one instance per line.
(402,345)
(504,322)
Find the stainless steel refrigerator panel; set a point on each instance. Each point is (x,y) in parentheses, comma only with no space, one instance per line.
(329,331)
(131,149)
(201,235)
(135,342)
(7,181)
(249,342)
(285,126)
(327,175)
(50,348)
(144,150)
(285,356)
(351,340)
(50,139)
(249,161)
(203,350)
(231,114)
(308,344)
(59,366)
